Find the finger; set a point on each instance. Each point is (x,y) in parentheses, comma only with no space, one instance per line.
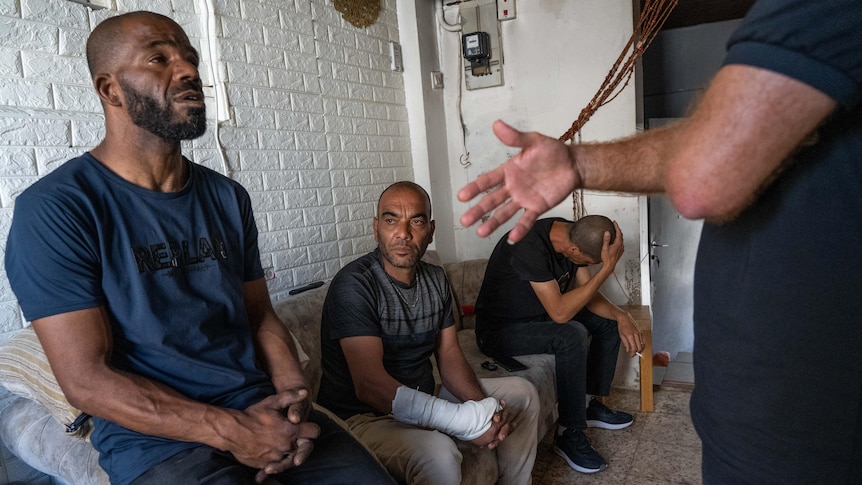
(296,413)
(522,227)
(501,215)
(276,467)
(308,431)
(494,199)
(303,451)
(260,477)
(483,182)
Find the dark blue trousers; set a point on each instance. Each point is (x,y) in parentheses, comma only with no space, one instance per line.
(337,459)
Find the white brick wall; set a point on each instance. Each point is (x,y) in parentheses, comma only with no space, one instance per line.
(317,122)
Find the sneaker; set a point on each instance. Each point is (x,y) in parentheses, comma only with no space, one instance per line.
(601,416)
(575,448)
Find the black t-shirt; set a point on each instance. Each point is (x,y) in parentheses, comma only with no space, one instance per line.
(777,291)
(506,295)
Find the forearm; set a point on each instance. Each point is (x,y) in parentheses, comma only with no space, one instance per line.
(573,301)
(634,164)
(279,356)
(272,340)
(458,378)
(149,407)
(603,307)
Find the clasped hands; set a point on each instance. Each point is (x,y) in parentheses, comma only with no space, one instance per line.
(274,435)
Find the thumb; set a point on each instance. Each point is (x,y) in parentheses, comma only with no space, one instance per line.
(508,135)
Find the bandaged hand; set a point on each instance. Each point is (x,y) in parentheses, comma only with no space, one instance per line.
(465,421)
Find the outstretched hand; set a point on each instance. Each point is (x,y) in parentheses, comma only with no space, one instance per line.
(538,178)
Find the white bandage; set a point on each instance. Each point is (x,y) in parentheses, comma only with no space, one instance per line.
(465,421)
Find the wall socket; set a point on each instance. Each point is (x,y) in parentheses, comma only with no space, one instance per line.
(436,80)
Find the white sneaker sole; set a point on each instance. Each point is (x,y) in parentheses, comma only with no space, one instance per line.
(575,466)
(595,423)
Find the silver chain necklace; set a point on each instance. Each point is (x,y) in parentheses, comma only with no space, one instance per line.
(401,295)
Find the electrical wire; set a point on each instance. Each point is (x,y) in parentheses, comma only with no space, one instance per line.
(219,91)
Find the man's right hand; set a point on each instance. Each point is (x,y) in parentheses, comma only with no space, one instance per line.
(611,253)
(538,178)
(264,437)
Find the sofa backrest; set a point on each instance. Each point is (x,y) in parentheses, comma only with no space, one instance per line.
(301,315)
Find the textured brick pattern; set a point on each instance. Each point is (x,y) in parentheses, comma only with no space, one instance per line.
(317,124)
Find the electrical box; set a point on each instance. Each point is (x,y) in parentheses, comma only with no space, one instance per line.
(505,9)
(481,45)
(476,49)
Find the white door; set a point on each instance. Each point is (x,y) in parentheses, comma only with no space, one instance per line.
(673,242)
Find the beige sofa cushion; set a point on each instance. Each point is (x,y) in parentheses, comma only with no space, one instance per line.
(25,371)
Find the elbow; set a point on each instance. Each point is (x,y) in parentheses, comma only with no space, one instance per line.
(559,317)
(79,398)
(700,201)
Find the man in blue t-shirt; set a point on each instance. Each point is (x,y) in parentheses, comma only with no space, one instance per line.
(772,159)
(141,274)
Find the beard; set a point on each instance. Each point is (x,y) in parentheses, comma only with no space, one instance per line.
(399,261)
(146,113)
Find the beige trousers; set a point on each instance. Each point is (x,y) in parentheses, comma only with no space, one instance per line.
(421,456)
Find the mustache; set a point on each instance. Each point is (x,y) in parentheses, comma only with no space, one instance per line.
(190,85)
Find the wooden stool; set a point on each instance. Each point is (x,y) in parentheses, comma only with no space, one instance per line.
(643,316)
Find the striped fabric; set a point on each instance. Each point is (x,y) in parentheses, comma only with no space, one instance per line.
(25,371)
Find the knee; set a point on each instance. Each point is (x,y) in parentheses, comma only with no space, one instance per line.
(522,398)
(572,338)
(438,456)
(607,331)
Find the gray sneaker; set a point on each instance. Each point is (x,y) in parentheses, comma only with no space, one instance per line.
(574,447)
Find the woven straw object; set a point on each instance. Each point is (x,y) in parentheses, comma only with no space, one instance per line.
(360,13)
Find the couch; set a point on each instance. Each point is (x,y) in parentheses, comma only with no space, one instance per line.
(38,450)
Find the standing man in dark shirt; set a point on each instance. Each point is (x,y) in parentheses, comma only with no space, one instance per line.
(386,314)
(538,296)
(772,159)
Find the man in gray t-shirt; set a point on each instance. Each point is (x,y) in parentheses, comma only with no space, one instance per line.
(385,314)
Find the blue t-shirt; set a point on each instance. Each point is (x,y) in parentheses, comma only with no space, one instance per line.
(168,267)
(778,395)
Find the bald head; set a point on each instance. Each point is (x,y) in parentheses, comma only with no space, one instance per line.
(588,232)
(406,185)
(103,41)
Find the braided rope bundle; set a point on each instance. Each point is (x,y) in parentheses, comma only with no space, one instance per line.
(652,18)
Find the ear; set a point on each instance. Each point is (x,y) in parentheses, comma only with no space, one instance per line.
(108,89)
(431,233)
(374,229)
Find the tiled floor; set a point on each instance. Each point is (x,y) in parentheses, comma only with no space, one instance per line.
(658,448)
